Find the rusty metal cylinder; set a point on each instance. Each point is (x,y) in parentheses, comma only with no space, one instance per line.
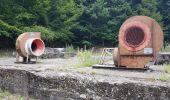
(30,44)
(140,38)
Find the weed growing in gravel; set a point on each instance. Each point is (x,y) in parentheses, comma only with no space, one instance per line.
(69,50)
(8,96)
(82,72)
(86,58)
(4,95)
(93,73)
(167,69)
(164,77)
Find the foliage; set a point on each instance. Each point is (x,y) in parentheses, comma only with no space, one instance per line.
(164,77)
(167,69)
(101,20)
(45,32)
(8,31)
(86,58)
(70,48)
(5,95)
(63,17)
(164,8)
(77,22)
(70,51)
(53,18)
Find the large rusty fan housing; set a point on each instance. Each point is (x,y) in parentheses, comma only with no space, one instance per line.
(30,44)
(140,40)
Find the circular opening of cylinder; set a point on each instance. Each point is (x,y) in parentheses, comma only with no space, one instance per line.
(134,36)
(37,47)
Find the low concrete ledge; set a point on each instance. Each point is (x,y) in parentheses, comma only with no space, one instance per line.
(50,85)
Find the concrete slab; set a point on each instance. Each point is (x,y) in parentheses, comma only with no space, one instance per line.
(60,78)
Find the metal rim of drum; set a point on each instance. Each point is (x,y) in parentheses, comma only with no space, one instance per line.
(142,43)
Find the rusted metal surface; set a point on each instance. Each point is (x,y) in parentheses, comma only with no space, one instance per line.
(140,40)
(29,42)
(115,56)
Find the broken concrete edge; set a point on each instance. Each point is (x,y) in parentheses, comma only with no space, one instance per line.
(50,85)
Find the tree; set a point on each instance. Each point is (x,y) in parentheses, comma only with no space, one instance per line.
(146,8)
(63,17)
(164,7)
(101,20)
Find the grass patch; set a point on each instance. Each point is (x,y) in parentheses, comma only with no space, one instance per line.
(167,68)
(5,95)
(82,72)
(86,58)
(70,48)
(8,96)
(164,77)
(93,73)
(69,51)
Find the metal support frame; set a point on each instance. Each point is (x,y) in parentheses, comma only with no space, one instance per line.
(26,60)
(104,52)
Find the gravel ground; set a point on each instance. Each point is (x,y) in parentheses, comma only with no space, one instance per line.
(54,78)
(69,65)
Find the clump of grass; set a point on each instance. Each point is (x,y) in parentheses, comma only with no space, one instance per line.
(69,50)
(164,77)
(86,58)
(82,72)
(93,73)
(167,69)
(4,94)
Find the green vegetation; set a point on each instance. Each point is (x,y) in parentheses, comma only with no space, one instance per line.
(167,69)
(4,95)
(164,77)
(86,58)
(93,73)
(70,48)
(82,72)
(69,51)
(77,22)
